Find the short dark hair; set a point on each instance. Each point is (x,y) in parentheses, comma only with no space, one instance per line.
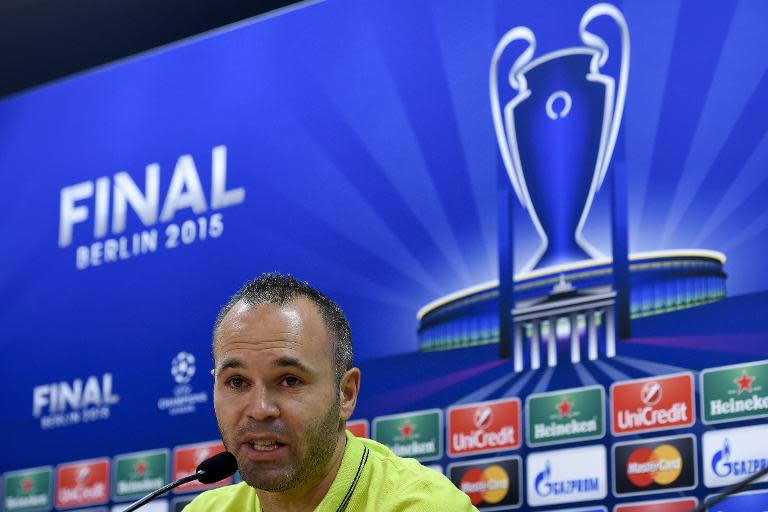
(280,289)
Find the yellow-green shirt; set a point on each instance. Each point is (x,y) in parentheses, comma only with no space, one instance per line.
(370,479)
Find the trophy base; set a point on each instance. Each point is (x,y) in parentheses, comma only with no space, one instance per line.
(561,256)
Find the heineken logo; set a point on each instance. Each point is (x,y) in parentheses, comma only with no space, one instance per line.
(418,434)
(735,392)
(565,416)
(657,403)
(136,474)
(564,408)
(744,382)
(28,489)
(82,483)
(484,427)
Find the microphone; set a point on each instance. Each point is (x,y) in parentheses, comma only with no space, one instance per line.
(220,466)
(731,491)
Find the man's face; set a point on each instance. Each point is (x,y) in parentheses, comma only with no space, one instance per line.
(275,393)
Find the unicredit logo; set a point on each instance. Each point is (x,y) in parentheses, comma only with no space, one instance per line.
(650,394)
(83,473)
(650,417)
(82,493)
(480,439)
(653,404)
(484,426)
(483,417)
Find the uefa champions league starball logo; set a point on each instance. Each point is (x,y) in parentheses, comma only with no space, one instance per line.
(185,399)
(183,367)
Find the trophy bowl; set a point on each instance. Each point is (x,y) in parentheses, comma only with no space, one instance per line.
(556,135)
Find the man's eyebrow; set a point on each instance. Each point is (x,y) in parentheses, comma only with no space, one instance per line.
(291,362)
(229,362)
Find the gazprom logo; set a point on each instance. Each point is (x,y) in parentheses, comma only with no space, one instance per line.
(724,467)
(545,486)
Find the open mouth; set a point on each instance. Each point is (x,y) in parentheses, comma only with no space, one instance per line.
(265,446)
(264,449)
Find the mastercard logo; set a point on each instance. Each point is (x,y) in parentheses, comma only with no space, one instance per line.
(489,485)
(661,465)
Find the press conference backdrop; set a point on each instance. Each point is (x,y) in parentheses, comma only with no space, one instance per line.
(401,156)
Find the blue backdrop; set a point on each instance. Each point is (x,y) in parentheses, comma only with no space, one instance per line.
(361,157)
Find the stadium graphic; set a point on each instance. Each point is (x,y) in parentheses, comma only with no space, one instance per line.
(565,296)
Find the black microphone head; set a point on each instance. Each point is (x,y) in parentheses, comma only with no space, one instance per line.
(218,467)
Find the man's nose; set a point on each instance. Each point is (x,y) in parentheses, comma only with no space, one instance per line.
(261,404)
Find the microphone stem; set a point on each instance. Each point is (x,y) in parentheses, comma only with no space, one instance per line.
(154,494)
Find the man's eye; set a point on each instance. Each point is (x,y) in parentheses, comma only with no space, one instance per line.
(235,382)
(292,381)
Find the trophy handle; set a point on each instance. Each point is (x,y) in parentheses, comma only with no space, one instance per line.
(594,41)
(517,81)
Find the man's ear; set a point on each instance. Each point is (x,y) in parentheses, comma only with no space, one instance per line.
(349,387)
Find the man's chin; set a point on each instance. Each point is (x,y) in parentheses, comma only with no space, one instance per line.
(270,484)
(266,478)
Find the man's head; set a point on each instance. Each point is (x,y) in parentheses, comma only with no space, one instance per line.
(279,289)
(284,383)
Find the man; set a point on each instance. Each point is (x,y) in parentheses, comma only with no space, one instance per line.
(284,387)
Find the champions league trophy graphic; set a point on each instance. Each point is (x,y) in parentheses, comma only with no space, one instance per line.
(557,134)
(556,138)
(557,118)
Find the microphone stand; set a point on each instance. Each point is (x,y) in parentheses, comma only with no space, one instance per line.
(731,491)
(154,494)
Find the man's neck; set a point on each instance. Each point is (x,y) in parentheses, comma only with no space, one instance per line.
(305,498)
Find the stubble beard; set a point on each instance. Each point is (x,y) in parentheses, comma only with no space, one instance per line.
(320,440)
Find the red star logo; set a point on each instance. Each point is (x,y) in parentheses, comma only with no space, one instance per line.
(406,430)
(564,408)
(745,382)
(140,468)
(26,485)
